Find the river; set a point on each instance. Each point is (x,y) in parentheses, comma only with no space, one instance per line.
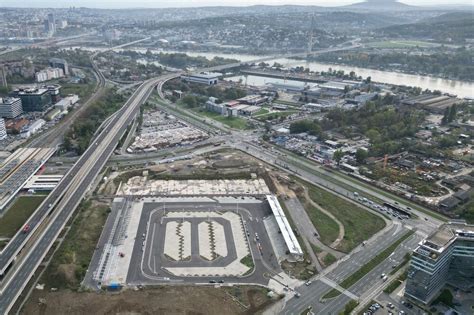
(459,88)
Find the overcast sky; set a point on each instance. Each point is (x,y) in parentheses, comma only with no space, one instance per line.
(194,3)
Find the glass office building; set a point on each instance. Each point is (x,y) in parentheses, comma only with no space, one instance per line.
(446,256)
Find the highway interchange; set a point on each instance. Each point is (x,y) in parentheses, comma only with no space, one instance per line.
(61,203)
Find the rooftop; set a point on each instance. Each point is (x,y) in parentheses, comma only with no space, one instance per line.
(8,100)
(448,233)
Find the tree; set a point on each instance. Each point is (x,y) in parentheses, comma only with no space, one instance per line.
(190,101)
(4,90)
(446,297)
(452,113)
(445,118)
(361,155)
(338,154)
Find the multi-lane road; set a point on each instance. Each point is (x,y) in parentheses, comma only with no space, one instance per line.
(74,185)
(62,202)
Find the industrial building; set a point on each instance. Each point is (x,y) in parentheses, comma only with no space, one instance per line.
(445,257)
(208,78)
(10,107)
(232,108)
(253,99)
(33,128)
(3,129)
(433,103)
(290,239)
(67,102)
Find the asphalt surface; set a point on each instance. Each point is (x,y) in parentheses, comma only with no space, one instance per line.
(48,139)
(253,213)
(312,295)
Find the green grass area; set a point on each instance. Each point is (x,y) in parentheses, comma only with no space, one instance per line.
(329,259)
(316,249)
(232,122)
(359,224)
(69,264)
(18,213)
(262,111)
(276,115)
(84,91)
(395,283)
(365,269)
(248,261)
(327,228)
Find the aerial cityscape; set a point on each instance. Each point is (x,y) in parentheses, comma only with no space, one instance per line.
(262,157)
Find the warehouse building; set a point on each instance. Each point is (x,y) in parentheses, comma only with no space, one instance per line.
(207,78)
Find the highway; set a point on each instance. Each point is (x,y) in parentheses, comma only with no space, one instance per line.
(75,184)
(46,43)
(51,139)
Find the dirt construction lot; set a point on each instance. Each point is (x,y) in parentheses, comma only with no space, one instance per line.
(163,300)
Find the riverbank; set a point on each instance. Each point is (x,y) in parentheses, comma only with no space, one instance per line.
(462,89)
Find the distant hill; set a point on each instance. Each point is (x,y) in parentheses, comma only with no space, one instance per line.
(456,26)
(380,5)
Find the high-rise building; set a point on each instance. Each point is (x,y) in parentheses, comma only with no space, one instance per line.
(59,63)
(3,76)
(445,257)
(3,129)
(50,24)
(34,100)
(10,107)
(62,23)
